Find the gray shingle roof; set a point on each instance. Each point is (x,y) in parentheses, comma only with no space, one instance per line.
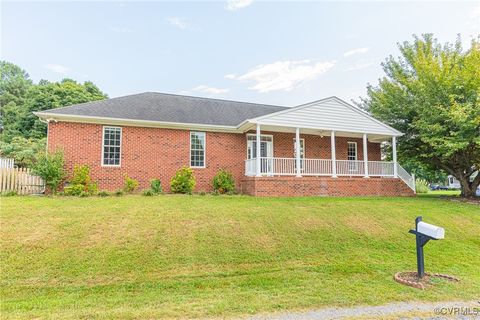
(164,107)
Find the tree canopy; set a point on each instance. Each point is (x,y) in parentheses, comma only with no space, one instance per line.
(23,133)
(432,94)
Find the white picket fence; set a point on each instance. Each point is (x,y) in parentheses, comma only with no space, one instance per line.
(21,181)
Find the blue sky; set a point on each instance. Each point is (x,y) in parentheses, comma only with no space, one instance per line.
(284,53)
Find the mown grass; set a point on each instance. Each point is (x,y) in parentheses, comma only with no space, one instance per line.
(202,256)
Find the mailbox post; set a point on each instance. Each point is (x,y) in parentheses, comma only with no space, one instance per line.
(424,232)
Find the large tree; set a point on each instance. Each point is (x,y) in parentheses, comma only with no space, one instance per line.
(19,98)
(432,94)
(23,134)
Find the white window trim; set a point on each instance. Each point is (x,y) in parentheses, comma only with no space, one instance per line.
(204,150)
(103,147)
(261,135)
(356,150)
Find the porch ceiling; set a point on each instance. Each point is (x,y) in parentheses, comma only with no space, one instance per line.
(372,137)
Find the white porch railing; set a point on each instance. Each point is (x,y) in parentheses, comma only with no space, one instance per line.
(323,167)
(406,177)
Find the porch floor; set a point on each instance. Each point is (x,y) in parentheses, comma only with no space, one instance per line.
(288,186)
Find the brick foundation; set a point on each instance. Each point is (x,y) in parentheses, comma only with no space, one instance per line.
(324,186)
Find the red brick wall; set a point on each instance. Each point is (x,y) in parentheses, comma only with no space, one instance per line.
(324,186)
(149,153)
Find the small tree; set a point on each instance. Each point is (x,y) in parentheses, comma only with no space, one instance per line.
(183,181)
(50,167)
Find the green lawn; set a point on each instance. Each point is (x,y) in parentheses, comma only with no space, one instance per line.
(202,256)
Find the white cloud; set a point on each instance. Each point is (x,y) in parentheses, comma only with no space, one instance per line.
(356,51)
(233,5)
(57,68)
(230,76)
(121,29)
(209,90)
(178,22)
(360,65)
(283,75)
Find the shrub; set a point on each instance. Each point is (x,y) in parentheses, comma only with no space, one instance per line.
(223,182)
(10,193)
(156,186)
(119,193)
(130,184)
(421,186)
(81,182)
(84,194)
(202,193)
(183,181)
(73,190)
(148,193)
(50,167)
(103,193)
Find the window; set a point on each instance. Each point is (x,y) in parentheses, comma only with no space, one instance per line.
(266,146)
(352,151)
(112,141)
(302,152)
(302,148)
(197,149)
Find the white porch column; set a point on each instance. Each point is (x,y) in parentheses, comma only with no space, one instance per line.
(334,157)
(365,154)
(258,162)
(394,154)
(297,151)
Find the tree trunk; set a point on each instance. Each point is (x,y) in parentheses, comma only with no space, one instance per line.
(469,188)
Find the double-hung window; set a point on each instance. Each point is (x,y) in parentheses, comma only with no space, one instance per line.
(112,144)
(302,152)
(197,149)
(352,151)
(352,156)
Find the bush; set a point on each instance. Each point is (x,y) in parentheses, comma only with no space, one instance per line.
(84,194)
(10,193)
(73,190)
(130,184)
(183,181)
(202,193)
(50,167)
(119,193)
(156,186)
(148,193)
(81,182)
(223,182)
(421,186)
(103,194)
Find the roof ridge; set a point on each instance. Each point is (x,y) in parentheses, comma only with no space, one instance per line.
(205,98)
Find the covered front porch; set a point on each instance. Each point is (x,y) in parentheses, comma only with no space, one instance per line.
(300,145)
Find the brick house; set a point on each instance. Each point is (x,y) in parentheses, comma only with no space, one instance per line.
(326,147)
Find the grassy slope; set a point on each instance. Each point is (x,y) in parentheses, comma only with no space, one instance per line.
(189,256)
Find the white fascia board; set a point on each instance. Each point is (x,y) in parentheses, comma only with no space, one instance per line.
(135,123)
(394,132)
